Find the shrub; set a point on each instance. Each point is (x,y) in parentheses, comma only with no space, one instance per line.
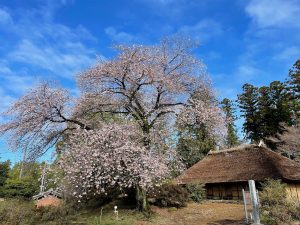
(60,215)
(22,188)
(196,192)
(17,212)
(169,195)
(275,208)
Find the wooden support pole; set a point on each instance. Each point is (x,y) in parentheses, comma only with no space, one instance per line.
(254,203)
(245,207)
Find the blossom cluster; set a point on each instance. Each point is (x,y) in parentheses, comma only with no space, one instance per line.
(100,160)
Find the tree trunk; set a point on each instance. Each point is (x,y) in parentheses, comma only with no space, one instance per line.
(141,199)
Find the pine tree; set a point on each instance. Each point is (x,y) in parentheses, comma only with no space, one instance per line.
(293,83)
(4,172)
(248,103)
(196,138)
(267,108)
(229,109)
(264,115)
(281,111)
(194,145)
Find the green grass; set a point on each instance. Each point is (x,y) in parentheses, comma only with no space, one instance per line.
(126,216)
(18,212)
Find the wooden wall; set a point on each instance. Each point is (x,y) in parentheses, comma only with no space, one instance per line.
(293,192)
(233,191)
(226,191)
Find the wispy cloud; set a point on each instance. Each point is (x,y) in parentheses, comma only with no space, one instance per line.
(266,40)
(288,53)
(62,61)
(39,48)
(204,30)
(119,36)
(50,46)
(275,13)
(6,99)
(5,18)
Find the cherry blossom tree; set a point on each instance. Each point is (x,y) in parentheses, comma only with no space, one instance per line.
(38,120)
(202,110)
(146,86)
(112,157)
(146,83)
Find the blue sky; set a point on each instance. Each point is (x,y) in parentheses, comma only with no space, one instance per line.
(241,41)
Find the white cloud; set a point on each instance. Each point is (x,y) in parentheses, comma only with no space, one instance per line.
(62,61)
(204,30)
(275,13)
(4,69)
(38,48)
(119,36)
(6,100)
(5,17)
(47,45)
(247,73)
(163,2)
(288,53)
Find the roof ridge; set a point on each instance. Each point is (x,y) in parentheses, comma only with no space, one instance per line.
(237,148)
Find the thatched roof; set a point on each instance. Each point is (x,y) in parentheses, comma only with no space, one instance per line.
(246,162)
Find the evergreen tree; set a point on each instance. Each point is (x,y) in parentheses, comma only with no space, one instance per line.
(194,144)
(248,103)
(264,115)
(281,111)
(229,109)
(197,137)
(294,89)
(4,172)
(27,185)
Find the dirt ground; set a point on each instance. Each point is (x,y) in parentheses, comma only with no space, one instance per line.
(208,213)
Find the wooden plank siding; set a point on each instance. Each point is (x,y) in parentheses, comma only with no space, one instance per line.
(226,191)
(233,191)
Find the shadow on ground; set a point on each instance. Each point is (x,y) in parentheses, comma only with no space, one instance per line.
(226,222)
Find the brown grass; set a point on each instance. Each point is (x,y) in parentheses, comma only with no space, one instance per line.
(208,213)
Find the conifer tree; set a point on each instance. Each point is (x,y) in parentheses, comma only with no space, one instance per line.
(280,107)
(4,172)
(248,103)
(197,134)
(229,109)
(194,144)
(264,115)
(293,82)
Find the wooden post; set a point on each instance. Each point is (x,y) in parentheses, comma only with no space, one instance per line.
(245,207)
(254,203)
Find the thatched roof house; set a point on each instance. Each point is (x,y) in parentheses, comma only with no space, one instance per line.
(226,172)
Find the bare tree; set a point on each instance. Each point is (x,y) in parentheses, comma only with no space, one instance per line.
(288,142)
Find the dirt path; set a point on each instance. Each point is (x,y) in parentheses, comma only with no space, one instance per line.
(208,213)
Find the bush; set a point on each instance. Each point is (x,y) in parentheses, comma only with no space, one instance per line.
(17,212)
(22,188)
(169,195)
(54,215)
(275,208)
(196,192)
